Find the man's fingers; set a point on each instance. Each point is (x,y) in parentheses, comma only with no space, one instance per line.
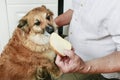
(59,61)
(69,53)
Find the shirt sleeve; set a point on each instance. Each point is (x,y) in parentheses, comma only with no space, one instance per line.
(113,25)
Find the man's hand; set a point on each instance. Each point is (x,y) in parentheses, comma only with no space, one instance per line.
(70,63)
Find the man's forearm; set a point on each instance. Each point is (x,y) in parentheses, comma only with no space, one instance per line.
(64,18)
(109,63)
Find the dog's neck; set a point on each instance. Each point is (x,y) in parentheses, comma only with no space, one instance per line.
(35,47)
(39,39)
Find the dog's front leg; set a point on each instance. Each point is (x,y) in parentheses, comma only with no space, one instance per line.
(42,74)
(54,71)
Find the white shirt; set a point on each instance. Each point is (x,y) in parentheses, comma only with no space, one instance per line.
(95,28)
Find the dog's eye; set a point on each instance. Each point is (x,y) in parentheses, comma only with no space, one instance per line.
(37,22)
(48,18)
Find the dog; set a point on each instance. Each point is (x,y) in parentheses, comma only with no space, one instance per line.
(28,54)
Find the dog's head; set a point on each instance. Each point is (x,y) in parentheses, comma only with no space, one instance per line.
(38,24)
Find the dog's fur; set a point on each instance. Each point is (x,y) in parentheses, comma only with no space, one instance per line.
(28,55)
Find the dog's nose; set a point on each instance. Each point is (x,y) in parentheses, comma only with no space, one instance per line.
(50,29)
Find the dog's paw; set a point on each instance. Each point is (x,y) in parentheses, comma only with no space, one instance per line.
(55,72)
(42,74)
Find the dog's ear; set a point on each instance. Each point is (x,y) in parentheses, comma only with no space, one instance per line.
(49,15)
(43,6)
(22,23)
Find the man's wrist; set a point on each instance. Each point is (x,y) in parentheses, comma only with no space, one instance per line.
(86,69)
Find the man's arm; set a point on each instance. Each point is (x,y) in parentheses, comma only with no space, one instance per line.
(109,63)
(64,18)
(73,63)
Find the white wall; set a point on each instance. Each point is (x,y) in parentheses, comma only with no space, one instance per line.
(4,34)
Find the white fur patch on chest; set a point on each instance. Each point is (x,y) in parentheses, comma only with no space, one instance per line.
(39,39)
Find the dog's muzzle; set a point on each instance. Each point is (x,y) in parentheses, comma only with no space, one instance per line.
(50,29)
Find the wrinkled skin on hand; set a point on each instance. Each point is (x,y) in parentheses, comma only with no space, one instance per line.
(70,63)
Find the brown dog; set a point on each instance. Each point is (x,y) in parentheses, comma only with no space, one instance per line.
(28,55)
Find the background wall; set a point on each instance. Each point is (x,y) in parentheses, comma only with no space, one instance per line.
(4,32)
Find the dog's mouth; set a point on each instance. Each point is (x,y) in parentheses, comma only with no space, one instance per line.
(49,29)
